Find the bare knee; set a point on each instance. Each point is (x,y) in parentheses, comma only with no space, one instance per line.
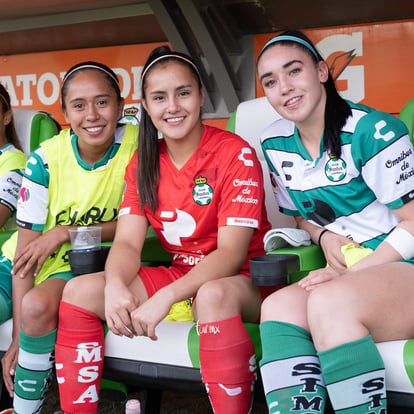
(210,299)
(84,291)
(223,298)
(71,291)
(39,312)
(331,315)
(273,306)
(286,305)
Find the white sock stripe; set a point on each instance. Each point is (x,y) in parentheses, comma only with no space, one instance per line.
(35,362)
(291,372)
(359,390)
(22,405)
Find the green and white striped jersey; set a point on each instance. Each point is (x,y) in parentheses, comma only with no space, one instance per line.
(353,195)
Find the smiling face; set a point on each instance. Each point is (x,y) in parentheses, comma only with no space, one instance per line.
(173,100)
(92,109)
(293,83)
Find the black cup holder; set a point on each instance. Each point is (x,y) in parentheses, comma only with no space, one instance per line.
(273,269)
(92,261)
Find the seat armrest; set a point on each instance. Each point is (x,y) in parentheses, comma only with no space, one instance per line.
(310,258)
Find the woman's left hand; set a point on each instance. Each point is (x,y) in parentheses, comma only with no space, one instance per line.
(148,315)
(318,277)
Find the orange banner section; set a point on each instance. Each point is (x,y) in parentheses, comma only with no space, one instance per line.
(373,63)
(33,80)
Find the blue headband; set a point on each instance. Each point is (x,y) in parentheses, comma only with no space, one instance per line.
(291,39)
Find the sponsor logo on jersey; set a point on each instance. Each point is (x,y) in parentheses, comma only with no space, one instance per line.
(94,215)
(180,225)
(242,221)
(403,162)
(123,211)
(249,182)
(187,259)
(242,157)
(379,129)
(243,199)
(202,192)
(400,159)
(24,194)
(245,196)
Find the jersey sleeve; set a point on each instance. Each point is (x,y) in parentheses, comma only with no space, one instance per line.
(242,188)
(32,206)
(130,200)
(384,154)
(10,184)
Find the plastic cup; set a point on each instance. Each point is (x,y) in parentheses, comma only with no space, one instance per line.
(85,238)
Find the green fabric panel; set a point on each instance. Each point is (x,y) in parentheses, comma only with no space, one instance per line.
(42,129)
(356,357)
(408,356)
(311,257)
(407,116)
(282,340)
(33,384)
(231,124)
(38,344)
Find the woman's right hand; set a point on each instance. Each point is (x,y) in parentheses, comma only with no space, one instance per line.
(119,304)
(8,363)
(331,244)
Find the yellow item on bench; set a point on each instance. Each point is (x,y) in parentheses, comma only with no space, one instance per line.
(180,312)
(354,254)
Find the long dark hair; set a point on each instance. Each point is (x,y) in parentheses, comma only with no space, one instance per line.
(11,134)
(337,109)
(148,145)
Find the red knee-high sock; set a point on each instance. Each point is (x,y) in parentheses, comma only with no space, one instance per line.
(79,359)
(228,365)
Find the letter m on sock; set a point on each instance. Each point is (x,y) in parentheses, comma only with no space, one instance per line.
(302,403)
(88,352)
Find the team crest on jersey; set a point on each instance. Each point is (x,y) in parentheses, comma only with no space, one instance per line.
(335,168)
(202,192)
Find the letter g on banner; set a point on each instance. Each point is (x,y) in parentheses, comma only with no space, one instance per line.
(351,45)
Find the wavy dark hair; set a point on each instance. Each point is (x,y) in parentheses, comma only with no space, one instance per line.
(11,134)
(337,110)
(148,145)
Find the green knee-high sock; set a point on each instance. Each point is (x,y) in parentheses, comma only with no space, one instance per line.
(33,372)
(290,370)
(355,377)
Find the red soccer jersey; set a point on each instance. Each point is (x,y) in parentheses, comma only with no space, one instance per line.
(220,185)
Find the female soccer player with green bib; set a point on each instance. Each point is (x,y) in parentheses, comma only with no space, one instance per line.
(73,179)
